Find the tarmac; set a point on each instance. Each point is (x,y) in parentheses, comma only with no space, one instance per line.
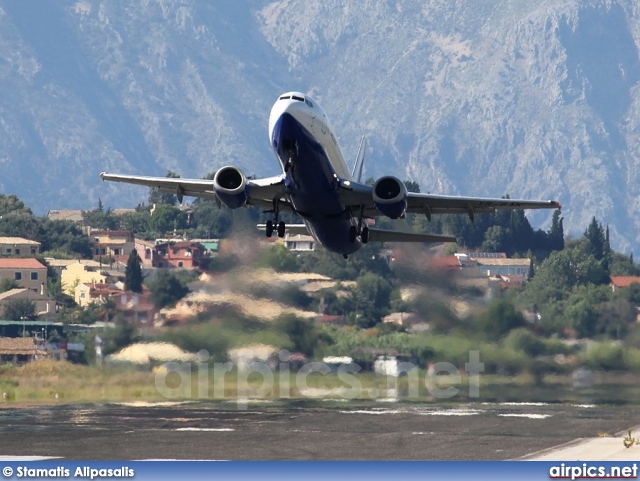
(589,449)
(318,431)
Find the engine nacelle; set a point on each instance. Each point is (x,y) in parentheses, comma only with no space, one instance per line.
(390,196)
(230,185)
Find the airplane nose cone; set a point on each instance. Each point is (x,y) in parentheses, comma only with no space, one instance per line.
(285,131)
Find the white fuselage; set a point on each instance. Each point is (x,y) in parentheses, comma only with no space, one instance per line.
(312,117)
(312,166)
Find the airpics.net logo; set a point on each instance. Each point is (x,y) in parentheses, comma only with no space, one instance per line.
(280,378)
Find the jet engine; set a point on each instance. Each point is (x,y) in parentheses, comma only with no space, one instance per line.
(230,185)
(390,196)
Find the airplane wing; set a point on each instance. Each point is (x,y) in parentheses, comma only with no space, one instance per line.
(262,192)
(382,235)
(356,196)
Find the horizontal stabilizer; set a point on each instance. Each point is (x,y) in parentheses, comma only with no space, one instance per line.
(381,235)
(291,229)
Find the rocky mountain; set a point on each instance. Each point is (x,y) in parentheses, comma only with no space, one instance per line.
(537,99)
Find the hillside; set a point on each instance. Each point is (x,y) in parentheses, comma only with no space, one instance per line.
(535,99)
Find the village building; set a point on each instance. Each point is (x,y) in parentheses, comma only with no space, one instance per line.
(299,243)
(65,214)
(45,306)
(28,273)
(94,292)
(146,251)
(81,272)
(180,254)
(17,350)
(136,308)
(622,282)
(490,264)
(59,265)
(116,244)
(18,246)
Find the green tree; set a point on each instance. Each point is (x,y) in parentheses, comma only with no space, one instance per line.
(304,335)
(595,234)
(211,222)
(157,197)
(100,219)
(20,309)
(167,289)
(137,222)
(166,218)
(412,186)
(119,337)
(622,265)
(497,239)
(133,273)
(372,297)
(11,204)
(108,309)
(615,318)
(6,284)
(500,319)
(631,293)
(555,236)
(278,258)
(563,270)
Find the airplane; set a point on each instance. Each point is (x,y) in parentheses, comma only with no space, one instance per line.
(316,184)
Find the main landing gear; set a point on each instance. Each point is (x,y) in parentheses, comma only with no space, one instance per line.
(281,227)
(362,231)
(364,234)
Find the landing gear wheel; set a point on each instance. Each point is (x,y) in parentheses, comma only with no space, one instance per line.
(364,236)
(352,233)
(269,228)
(281,229)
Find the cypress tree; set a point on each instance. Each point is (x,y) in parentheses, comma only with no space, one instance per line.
(595,235)
(556,234)
(133,273)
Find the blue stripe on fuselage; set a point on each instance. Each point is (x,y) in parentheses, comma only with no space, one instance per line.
(312,186)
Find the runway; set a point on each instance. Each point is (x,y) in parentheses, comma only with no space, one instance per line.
(303,431)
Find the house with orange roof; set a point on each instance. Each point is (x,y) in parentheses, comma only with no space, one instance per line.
(90,292)
(621,282)
(181,254)
(28,273)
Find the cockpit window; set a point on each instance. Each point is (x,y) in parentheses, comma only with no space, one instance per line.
(308,102)
(285,97)
(299,99)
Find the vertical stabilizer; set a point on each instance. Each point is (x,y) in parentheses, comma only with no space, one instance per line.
(357,168)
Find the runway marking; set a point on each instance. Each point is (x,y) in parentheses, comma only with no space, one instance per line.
(381,411)
(452,412)
(530,416)
(205,429)
(148,404)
